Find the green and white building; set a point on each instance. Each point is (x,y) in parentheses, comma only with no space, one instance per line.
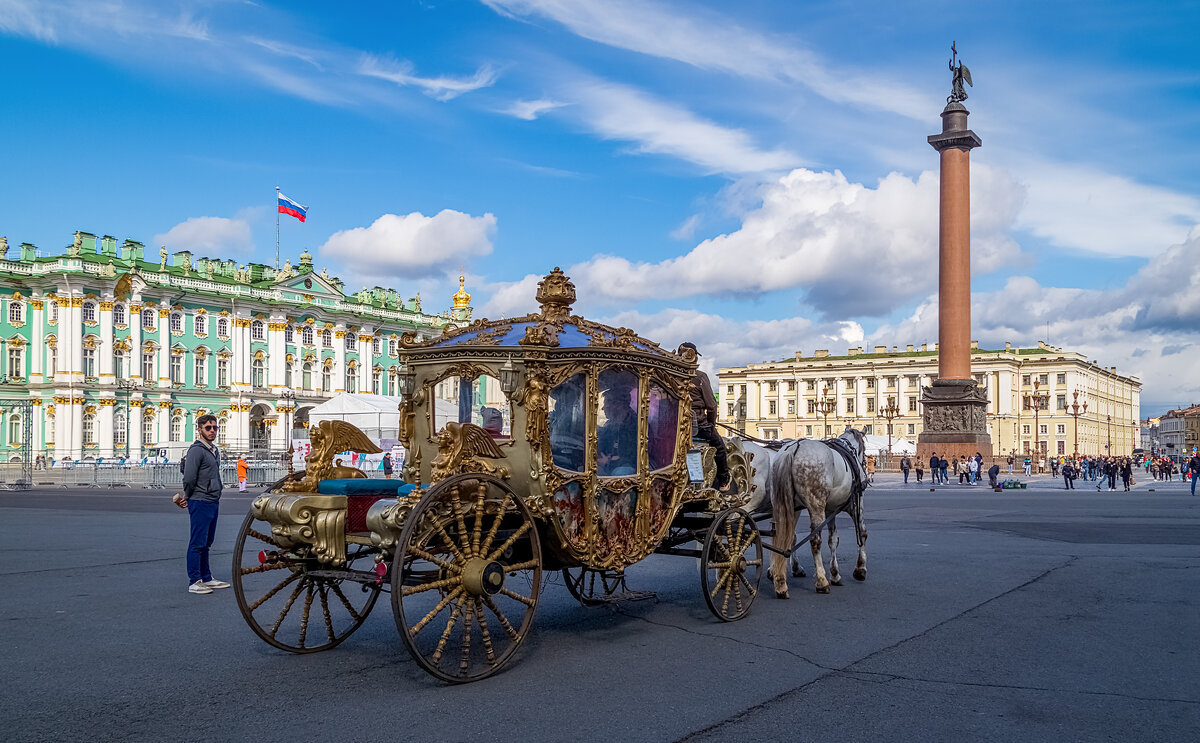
(118,354)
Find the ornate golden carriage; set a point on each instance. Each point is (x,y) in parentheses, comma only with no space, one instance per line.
(543,442)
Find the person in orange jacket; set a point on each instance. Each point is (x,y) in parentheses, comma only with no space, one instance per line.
(243,470)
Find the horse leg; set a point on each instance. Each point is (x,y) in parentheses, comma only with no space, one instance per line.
(820,582)
(860,530)
(785,537)
(835,575)
(797,571)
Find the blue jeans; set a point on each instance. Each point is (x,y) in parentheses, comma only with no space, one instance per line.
(203,516)
(1194,476)
(905,475)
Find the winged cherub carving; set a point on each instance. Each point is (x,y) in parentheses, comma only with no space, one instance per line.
(459,447)
(327,439)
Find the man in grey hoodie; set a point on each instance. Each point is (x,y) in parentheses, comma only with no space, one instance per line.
(202,495)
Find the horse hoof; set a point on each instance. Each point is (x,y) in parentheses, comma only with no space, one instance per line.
(779,595)
(823,589)
(860,574)
(799,573)
(836,582)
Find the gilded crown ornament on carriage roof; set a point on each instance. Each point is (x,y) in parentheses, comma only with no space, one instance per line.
(556,294)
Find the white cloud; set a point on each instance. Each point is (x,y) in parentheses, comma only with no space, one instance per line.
(687,229)
(443,87)
(209,236)
(851,249)
(530,110)
(713,42)
(620,112)
(1081,207)
(411,245)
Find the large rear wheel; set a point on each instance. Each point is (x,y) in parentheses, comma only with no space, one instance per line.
(731,564)
(466,578)
(292,601)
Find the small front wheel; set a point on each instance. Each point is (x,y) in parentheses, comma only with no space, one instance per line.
(466,578)
(731,564)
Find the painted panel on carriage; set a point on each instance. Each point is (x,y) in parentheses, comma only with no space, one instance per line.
(567,422)
(569,509)
(615,513)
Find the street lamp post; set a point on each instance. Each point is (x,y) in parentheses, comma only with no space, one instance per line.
(890,412)
(1076,411)
(827,405)
(129,386)
(1036,400)
(1108,447)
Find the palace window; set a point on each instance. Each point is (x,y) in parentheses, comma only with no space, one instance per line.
(119,364)
(392,347)
(16,313)
(15,357)
(306,335)
(199,370)
(771,407)
(52,360)
(287,374)
(729,414)
(812,384)
(377,346)
(148,437)
(1060,429)
(222,429)
(176,323)
(149,318)
(53,312)
(1060,402)
(891,383)
(912,403)
(176,368)
(1025,380)
(870,383)
(327,338)
(118,314)
(89,312)
(849,406)
(89,362)
(812,406)
(89,429)
(791,407)
(177,428)
(1044,379)
(870,405)
(14,429)
(791,385)
(771,386)
(351,342)
(912,429)
(49,429)
(1061,378)
(730,390)
(289,335)
(808,431)
(306,376)
(258,330)
(351,379)
(327,378)
(120,429)
(223,327)
(200,322)
(148,368)
(1043,429)
(258,370)
(376,381)
(222,372)
(1025,429)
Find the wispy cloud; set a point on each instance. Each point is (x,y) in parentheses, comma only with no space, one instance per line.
(714,42)
(443,87)
(530,110)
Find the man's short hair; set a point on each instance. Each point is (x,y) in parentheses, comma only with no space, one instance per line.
(206,418)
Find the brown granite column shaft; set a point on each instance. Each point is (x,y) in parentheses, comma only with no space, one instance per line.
(954,266)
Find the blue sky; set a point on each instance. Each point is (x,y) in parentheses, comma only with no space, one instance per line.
(753,177)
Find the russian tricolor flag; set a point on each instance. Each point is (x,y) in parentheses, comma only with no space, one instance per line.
(287,206)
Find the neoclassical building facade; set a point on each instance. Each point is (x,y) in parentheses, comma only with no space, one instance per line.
(118,355)
(818,395)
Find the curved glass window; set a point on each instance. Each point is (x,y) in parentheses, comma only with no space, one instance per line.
(664,427)
(567,421)
(479,401)
(617,424)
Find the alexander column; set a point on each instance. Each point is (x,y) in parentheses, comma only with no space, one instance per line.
(955,407)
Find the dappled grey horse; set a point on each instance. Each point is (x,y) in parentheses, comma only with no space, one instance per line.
(822,478)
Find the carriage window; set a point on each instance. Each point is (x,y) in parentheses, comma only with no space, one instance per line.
(617,424)
(567,421)
(479,401)
(664,427)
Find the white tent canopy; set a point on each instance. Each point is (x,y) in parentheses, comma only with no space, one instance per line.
(377,416)
(878,445)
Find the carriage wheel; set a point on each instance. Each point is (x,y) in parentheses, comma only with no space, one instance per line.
(731,564)
(466,578)
(289,606)
(592,587)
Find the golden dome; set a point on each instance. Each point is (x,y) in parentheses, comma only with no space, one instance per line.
(461,298)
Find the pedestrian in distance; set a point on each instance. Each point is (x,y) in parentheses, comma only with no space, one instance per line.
(1068,474)
(1028,464)
(934,464)
(1126,472)
(871,469)
(920,469)
(1194,467)
(905,466)
(243,472)
(1010,464)
(994,475)
(202,497)
(943,465)
(387,466)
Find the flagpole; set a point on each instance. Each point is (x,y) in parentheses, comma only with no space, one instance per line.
(277,228)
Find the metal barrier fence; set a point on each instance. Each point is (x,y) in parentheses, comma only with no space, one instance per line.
(151,476)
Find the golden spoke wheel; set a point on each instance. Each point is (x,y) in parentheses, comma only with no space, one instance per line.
(731,564)
(466,578)
(285,603)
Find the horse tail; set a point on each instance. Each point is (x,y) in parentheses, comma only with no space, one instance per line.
(783,505)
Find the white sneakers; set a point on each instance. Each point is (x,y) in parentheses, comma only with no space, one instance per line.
(206,586)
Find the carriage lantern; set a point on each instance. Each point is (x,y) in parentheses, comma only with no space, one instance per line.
(509,378)
(408,381)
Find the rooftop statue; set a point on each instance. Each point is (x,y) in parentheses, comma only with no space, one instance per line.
(162,258)
(961,75)
(3,247)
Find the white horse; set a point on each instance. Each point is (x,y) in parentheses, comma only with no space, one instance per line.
(761,489)
(816,476)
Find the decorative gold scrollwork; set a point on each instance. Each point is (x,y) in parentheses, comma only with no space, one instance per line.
(317,520)
(460,446)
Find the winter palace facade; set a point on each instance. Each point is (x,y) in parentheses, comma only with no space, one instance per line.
(117,355)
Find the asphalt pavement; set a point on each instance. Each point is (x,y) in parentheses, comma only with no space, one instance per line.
(1032,615)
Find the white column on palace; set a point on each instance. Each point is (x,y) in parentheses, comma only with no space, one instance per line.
(104,427)
(105,350)
(366,363)
(339,358)
(277,351)
(134,425)
(37,345)
(134,371)
(164,351)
